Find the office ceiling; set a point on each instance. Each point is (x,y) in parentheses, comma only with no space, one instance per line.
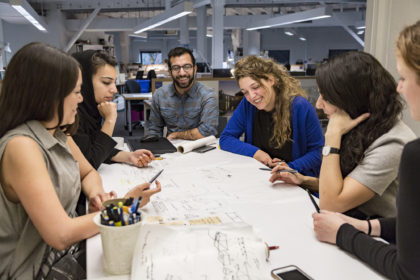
(122,13)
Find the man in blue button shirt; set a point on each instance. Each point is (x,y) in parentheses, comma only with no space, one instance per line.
(187,108)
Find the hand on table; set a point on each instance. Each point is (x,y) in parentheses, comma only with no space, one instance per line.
(326,225)
(263,157)
(287,177)
(140,158)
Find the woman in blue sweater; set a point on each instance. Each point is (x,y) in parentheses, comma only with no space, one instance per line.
(280,125)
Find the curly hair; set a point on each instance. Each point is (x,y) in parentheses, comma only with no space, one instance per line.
(408,47)
(285,87)
(357,83)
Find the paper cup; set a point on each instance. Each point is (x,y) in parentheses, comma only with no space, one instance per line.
(118,244)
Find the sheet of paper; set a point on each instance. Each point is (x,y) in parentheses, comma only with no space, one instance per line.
(199,252)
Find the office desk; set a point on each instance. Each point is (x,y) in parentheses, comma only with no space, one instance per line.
(234,184)
(128,97)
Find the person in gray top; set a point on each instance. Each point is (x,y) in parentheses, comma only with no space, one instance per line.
(42,170)
(187,108)
(364,139)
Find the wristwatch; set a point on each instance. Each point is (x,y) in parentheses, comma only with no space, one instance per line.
(326,150)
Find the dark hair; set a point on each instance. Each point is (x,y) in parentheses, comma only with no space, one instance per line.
(178,51)
(100,59)
(357,83)
(37,80)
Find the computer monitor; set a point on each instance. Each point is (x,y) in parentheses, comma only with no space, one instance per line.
(222,73)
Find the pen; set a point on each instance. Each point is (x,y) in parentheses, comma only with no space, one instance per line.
(273,247)
(313,201)
(279,171)
(158,158)
(154,177)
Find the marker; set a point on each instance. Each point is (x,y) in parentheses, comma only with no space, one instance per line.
(155,177)
(273,247)
(293,171)
(158,158)
(313,201)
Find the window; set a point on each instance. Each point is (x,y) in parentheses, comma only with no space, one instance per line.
(150,57)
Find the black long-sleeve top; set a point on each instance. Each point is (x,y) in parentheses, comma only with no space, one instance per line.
(96,146)
(400,260)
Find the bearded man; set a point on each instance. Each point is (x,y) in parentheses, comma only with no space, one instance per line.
(186,107)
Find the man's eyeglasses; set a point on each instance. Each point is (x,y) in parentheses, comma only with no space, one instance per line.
(177,68)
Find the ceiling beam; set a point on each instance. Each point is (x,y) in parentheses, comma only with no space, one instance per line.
(82,29)
(230,22)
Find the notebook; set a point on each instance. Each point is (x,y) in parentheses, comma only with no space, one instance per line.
(162,146)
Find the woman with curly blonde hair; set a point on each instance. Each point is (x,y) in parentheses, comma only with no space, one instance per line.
(280,125)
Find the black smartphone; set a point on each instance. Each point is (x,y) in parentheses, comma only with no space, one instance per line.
(204,149)
(290,272)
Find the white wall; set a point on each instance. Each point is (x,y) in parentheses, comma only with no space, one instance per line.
(384,21)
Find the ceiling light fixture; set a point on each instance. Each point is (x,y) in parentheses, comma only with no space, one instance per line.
(26,10)
(360,32)
(302,38)
(171,14)
(313,14)
(288,33)
(140,35)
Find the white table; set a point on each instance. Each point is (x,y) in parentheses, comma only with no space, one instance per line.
(280,213)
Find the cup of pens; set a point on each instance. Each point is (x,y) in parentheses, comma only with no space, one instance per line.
(119,225)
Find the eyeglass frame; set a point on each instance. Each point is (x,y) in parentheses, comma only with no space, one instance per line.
(188,65)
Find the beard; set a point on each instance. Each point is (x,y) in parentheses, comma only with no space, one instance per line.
(183,84)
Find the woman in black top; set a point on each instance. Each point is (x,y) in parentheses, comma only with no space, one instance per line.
(401,258)
(98,114)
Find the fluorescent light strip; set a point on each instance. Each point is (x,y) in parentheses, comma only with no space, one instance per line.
(302,38)
(289,33)
(163,22)
(289,22)
(30,18)
(360,27)
(360,32)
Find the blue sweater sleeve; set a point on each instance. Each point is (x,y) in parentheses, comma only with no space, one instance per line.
(237,125)
(307,138)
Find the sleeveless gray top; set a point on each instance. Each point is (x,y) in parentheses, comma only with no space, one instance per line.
(21,246)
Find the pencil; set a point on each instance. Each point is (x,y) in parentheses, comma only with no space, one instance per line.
(155,177)
(293,171)
(313,201)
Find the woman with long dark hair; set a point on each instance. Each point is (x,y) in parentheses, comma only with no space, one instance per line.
(98,114)
(42,170)
(401,258)
(364,137)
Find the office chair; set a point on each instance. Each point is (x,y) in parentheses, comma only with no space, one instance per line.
(151,75)
(132,86)
(139,75)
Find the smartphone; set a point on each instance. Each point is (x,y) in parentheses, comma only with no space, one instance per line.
(290,272)
(204,149)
